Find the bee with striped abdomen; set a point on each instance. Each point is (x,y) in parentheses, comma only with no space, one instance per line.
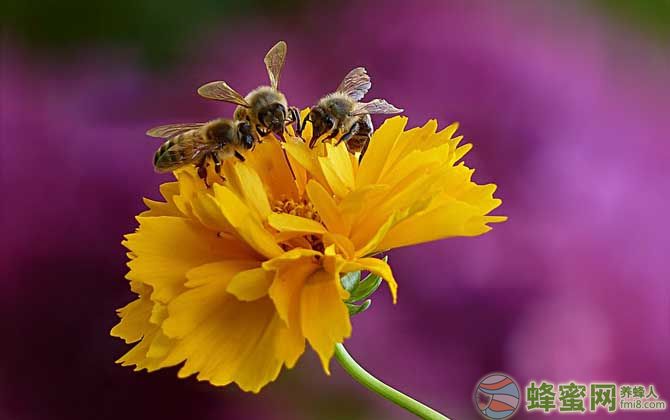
(194,143)
(341,113)
(265,107)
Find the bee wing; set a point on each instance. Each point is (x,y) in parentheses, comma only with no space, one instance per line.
(220,91)
(171,130)
(376,106)
(355,84)
(187,148)
(274,61)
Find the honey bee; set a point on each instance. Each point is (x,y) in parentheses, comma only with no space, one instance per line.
(193,143)
(265,107)
(341,113)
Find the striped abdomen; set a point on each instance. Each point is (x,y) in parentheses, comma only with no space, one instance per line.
(162,157)
(175,152)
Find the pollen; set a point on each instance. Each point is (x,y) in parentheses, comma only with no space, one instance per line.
(301,208)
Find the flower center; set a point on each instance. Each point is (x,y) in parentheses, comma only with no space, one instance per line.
(302,208)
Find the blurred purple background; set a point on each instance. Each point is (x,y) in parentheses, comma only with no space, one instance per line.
(568,112)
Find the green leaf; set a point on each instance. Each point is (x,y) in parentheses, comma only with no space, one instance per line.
(357,309)
(365,288)
(350,280)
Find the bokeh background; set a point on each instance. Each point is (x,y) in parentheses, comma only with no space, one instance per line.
(567,103)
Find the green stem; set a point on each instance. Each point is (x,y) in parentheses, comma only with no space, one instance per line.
(375,385)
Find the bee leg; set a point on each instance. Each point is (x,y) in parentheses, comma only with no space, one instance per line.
(331,136)
(335,131)
(301,127)
(365,148)
(239,156)
(349,134)
(217,165)
(202,172)
(312,141)
(294,117)
(202,169)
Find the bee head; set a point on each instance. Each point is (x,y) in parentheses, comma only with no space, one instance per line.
(245,134)
(273,118)
(322,122)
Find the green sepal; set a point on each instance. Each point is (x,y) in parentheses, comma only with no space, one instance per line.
(357,309)
(350,280)
(365,288)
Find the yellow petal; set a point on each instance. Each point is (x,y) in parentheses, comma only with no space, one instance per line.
(326,207)
(324,317)
(336,167)
(330,262)
(189,185)
(307,132)
(158,313)
(286,287)
(378,236)
(344,244)
(168,190)
(239,216)
(339,188)
(208,213)
(290,343)
(376,266)
(251,188)
(221,349)
(137,324)
(285,222)
(409,140)
(410,196)
(289,257)
(219,270)
(416,162)
(268,161)
(306,157)
(160,346)
(261,365)
(251,284)
(360,202)
(166,208)
(159,208)
(461,151)
(166,248)
(381,144)
(138,355)
(134,319)
(454,219)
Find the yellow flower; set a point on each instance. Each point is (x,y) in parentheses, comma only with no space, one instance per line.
(232,279)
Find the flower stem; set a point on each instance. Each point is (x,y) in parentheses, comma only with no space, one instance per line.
(375,385)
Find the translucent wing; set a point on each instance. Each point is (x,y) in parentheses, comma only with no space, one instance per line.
(220,91)
(376,106)
(184,149)
(274,61)
(171,130)
(355,84)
